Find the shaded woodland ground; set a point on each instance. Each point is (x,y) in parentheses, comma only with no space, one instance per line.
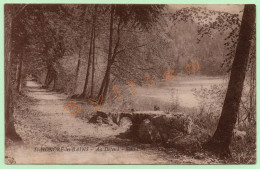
(58,53)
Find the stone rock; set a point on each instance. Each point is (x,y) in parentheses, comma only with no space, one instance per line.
(115,117)
(171,126)
(192,142)
(99,118)
(125,123)
(147,132)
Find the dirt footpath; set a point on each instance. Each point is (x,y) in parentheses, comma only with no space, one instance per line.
(50,137)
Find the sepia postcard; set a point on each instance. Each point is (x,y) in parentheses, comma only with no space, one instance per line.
(130,83)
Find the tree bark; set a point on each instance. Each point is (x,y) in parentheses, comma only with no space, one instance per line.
(10,131)
(84,93)
(111,56)
(93,54)
(77,69)
(106,77)
(252,93)
(50,76)
(78,65)
(221,139)
(46,78)
(111,62)
(79,45)
(18,87)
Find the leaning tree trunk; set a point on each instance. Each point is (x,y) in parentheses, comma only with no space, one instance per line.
(112,61)
(221,139)
(10,131)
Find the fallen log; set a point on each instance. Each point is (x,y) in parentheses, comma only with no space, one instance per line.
(150,126)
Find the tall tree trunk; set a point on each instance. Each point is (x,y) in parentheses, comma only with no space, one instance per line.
(221,139)
(252,93)
(93,50)
(102,85)
(50,76)
(112,61)
(106,77)
(78,65)
(77,69)
(54,78)
(19,78)
(46,78)
(10,131)
(84,93)
(106,83)
(79,45)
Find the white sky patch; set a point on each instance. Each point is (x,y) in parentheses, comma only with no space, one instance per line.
(231,8)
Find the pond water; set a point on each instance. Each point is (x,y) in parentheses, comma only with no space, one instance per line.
(183,87)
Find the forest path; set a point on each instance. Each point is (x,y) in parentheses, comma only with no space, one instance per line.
(45,125)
